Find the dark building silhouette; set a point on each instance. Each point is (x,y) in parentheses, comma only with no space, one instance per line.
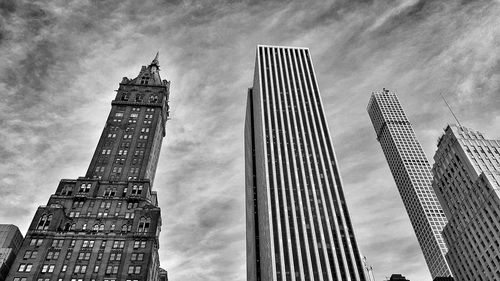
(398,277)
(105,226)
(298,224)
(163,275)
(10,242)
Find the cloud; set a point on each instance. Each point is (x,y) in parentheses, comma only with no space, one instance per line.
(60,65)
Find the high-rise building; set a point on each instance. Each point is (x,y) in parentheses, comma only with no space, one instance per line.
(105,226)
(10,242)
(412,172)
(298,224)
(466,179)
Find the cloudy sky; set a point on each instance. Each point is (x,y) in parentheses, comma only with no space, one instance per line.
(60,62)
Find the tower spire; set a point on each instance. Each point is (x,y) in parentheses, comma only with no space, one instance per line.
(155,60)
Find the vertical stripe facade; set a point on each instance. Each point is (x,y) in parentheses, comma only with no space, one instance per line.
(298,225)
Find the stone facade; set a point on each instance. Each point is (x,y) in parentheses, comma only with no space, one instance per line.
(466,179)
(105,226)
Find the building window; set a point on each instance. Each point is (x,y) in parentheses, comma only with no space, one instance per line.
(44,222)
(125,97)
(25,267)
(139,97)
(52,255)
(80,269)
(110,192)
(85,188)
(57,243)
(46,268)
(67,190)
(88,244)
(144,224)
(137,257)
(30,255)
(134,269)
(153,98)
(139,244)
(115,256)
(118,244)
(136,189)
(112,269)
(84,256)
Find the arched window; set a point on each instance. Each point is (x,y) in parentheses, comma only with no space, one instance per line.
(101,227)
(73,227)
(124,97)
(153,98)
(95,227)
(41,222)
(144,224)
(84,226)
(124,228)
(139,97)
(44,222)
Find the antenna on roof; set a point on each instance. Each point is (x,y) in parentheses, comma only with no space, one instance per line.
(451,110)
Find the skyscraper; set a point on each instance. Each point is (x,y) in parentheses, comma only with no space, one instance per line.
(105,226)
(298,225)
(412,172)
(466,179)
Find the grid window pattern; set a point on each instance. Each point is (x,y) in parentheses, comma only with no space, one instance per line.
(412,173)
(466,179)
(298,220)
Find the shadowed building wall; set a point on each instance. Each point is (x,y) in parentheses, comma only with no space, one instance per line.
(466,179)
(298,224)
(10,243)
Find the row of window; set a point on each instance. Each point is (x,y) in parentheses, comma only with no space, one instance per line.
(49,268)
(108,192)
(140,97)
(58,243)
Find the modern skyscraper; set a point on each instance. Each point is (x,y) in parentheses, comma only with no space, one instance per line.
(412,172)
(298,225)
(466,179)
(10,242)
(105,226)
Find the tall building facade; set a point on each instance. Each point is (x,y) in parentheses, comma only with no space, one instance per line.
(298,224)
(105,226)
(412,172)
(10,242)
(466,179)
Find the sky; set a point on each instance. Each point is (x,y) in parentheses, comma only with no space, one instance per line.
(61,61)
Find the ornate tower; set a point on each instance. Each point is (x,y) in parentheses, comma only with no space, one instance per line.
(105,226)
